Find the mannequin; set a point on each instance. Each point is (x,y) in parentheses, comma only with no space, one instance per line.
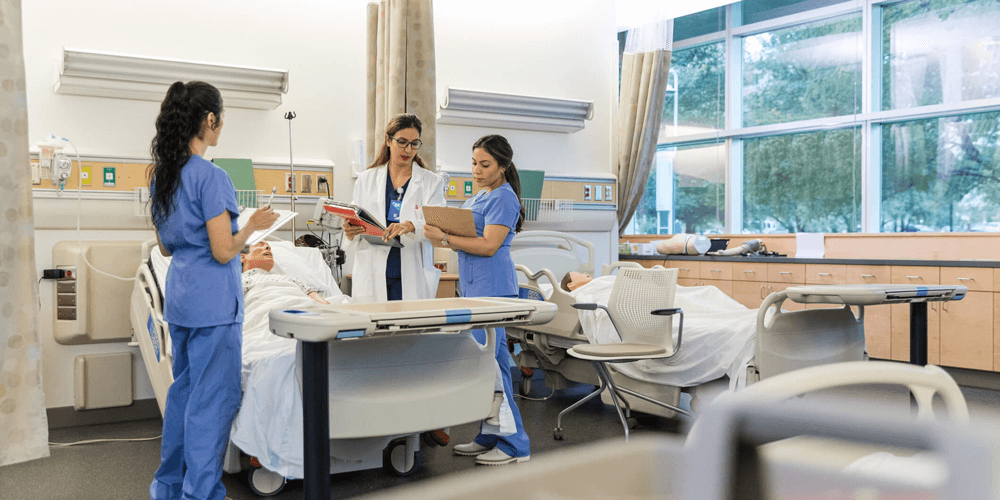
(748,246)
(684,244)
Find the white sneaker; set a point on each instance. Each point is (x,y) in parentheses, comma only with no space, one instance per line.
(494,418)
(469,450)
(497,457)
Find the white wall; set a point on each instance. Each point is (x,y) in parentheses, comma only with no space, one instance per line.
(548,48)
(542,48)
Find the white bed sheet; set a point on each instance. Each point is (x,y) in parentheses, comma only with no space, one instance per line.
(266,426)
(718,339)
(271,393)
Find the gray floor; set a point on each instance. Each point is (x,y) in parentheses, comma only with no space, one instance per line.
(123,470)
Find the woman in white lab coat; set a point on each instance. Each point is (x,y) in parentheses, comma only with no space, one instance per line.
(393,190)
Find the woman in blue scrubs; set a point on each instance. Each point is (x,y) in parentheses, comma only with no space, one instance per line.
(486,269)
(194,211)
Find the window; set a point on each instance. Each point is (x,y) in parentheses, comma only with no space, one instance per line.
(695,99)
(804,137)
(941,52)
(942,174)
(685,192)
(807,182)
(803,72)
(755,11)
(700,23)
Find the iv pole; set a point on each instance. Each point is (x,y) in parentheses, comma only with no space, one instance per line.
(291,164)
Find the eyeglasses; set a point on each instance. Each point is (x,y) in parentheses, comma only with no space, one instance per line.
(403,143)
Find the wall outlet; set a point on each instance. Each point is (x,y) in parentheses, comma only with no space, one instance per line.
(607,193)
(586,193)
(36,175)
(322,186)
(288,182)
(109,176)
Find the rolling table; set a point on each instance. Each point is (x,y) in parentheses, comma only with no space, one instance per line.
(318,326)
(870,295)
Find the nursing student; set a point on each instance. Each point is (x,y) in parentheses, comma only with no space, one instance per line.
(393,189)
(194,211)
(486,269)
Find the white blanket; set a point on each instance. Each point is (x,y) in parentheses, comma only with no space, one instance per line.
(718,336)
(266,426)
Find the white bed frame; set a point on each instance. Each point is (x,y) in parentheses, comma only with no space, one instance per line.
(401,455)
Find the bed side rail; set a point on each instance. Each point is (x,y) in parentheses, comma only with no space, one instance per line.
(569,243)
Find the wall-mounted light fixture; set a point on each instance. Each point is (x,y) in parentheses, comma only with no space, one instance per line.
(121,76)
(496,110)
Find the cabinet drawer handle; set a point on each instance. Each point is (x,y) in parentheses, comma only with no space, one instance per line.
(715,270)
(684,269)
(966,279)
(784,272)
(867,275)
(750,272)
(825,274)
(762,292)
(913,277)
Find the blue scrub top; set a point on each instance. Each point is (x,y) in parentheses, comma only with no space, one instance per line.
(393,264)
(491,276)
(200,292)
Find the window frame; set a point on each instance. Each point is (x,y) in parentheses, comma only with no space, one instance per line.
(869,121)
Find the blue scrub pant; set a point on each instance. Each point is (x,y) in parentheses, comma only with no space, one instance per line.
(517,444)
(201,404)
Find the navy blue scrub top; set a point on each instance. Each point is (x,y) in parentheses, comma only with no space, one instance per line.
(200,292)
(491,276)
(393,264)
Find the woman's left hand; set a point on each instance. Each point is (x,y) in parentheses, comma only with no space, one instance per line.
(397,229)
(433,233)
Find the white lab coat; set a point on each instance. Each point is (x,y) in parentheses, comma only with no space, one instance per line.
(419,276)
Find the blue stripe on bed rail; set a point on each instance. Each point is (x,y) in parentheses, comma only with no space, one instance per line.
(921,291)
(350,334)
(153,337)
(458,315)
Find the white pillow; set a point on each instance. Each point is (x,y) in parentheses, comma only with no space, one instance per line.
(305,263)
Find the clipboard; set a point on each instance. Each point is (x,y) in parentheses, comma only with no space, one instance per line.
(283,217)
(360,217)
(451,220)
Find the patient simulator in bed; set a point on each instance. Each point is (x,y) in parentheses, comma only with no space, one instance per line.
(718,334)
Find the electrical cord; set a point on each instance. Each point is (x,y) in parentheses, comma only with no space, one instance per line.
(79,211)
(546,398)
(91,441)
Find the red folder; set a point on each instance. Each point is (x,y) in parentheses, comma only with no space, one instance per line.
(360,217)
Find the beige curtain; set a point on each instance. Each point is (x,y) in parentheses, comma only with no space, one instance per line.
(24,428)
(640,108)
(401,71)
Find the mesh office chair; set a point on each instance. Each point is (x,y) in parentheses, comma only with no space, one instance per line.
(641,311)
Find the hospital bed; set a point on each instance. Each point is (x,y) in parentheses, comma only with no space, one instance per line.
(429,401)
(784,340)
(730,453)
(444,380)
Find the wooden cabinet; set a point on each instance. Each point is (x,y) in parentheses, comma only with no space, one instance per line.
(749,293)
(717,271)
(786,273)
(967,331)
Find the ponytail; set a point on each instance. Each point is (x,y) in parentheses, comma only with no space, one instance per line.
(498,147)
(182,114)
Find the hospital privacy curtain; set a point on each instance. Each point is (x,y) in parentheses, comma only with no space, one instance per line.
(24,428)
(401,71)
(640,109)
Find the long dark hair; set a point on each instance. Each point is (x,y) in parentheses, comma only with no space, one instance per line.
(498,147)
(182,113)
(397,123)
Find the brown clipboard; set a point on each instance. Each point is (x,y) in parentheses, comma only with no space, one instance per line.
(451,220)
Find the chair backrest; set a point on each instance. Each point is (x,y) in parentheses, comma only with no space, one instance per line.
(636,293)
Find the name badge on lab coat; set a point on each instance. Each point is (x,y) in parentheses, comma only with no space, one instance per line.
(394,207)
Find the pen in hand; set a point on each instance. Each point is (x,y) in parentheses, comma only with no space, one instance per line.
(269,200)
